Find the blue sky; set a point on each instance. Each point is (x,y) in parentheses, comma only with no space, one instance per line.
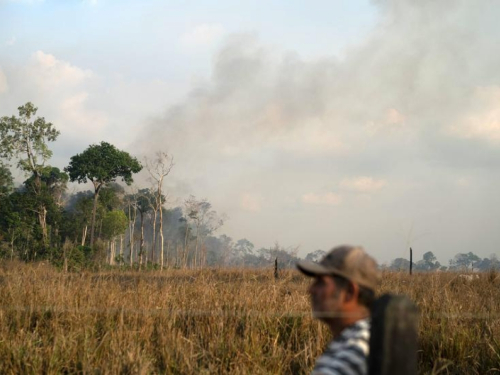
(101,34)
(311,124)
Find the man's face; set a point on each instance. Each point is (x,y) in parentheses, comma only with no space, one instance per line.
(326,297)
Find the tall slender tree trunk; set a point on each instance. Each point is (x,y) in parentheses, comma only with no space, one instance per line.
(121,247)
(111,243)
(162,256)
(153,238)
(132,218)
(196,255)
(97,187)
(42,219)
(84,234)
(161,225)
(113,251)
(203,250)
(65,256)
(42,210)
(179,255)
(100,228)
(12,248)
(141,248)
(186,246)
(131,246)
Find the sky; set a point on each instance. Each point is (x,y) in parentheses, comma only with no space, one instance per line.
(311,124)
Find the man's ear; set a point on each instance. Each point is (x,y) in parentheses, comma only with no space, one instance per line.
(352,292)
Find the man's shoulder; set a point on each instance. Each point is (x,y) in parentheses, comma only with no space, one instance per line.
(348,353)
(358,331)
(355,337)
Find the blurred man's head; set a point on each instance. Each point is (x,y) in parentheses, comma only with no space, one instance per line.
(344,285)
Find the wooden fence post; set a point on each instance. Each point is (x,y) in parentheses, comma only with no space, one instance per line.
(394,336)
(276,268)
(411,260)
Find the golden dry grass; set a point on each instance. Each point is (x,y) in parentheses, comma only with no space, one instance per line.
(218,321)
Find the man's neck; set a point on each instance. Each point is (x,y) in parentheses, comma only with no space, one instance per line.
(337,326)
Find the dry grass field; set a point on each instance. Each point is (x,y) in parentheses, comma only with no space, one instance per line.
(218,321)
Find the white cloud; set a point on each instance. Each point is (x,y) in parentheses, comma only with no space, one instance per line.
(49,72)
(77,118)
(64,93)
(328,199)
(4,87)
(203,35)
(66,86)
(251,202)
(362,184)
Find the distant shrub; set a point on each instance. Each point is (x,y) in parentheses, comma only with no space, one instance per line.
(73,258)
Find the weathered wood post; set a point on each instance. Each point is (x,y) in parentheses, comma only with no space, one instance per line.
(276,268)
(411,260)
(394,336)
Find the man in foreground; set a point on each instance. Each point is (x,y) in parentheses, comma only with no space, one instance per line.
(342,293)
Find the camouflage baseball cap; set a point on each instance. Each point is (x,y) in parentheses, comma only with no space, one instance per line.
(350,262)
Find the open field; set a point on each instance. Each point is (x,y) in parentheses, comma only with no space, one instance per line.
(218,321)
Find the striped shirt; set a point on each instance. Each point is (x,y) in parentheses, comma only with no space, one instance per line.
(348,353)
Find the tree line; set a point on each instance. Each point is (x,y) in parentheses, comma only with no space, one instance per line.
(120,225)
(468,262)
(114,224)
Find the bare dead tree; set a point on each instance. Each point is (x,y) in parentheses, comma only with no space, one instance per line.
(154,216)
(204,221)
(131,201)
(159,168)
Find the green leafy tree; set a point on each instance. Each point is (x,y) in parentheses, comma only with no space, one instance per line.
(52,182)
(53,185)
(25,138)
(400,264)
(429,257)
(428,263)
(77,216)
(110,198)
(6,181)
(244,247)
(6,186)
(463,260)
(102,164)
(20,210)
(19,225)
(114,223)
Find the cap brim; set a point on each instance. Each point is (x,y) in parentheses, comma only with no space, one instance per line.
(312,269)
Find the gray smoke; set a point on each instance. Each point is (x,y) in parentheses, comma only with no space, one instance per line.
(414,104)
